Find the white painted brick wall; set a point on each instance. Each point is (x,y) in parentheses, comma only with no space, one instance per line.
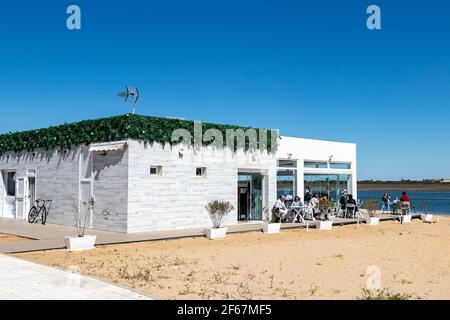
(177,198)
(56,179)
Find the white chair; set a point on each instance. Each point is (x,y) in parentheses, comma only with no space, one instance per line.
(350,209)
(386,207)
(298,213)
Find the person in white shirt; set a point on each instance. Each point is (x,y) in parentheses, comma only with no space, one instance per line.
(314,202)
(296,208)
(281,207)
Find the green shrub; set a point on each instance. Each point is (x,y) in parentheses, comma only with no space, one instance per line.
(385,294)
(218,210)
(128,126)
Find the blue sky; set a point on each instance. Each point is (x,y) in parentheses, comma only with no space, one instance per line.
(310,68)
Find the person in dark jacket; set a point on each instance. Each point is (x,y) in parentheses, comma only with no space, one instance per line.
(343,200)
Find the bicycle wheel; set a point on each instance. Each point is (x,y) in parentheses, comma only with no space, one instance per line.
(44,215)
(32,215)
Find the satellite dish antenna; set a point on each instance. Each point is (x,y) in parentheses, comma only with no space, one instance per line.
(131,93)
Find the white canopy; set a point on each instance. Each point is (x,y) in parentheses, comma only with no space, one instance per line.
(108,146)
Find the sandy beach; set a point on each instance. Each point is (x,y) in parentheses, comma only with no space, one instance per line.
(5,238)
(413,259)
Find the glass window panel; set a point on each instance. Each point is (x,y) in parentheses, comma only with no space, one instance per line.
(11,183)
(340,165)
(287,163)
(286,183)
(316,165)
(328,184)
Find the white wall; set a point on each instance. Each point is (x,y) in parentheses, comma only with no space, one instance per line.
(318,150)
(110,189)
(56,178)
(139,202)
(177,198)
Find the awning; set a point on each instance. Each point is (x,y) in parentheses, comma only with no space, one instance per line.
(108,146)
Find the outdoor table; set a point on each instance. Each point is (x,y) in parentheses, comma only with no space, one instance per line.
(298,213)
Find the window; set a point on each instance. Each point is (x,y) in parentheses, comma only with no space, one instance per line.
(9,179)
(200,172)
(316,165)
(286,182)
(328,184)
(340,165)
(287,164)
(155,170)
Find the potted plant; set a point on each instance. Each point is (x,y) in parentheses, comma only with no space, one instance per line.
(371,206)
(270,226)
(218,210)
(403,209)
(82,241)
(426,216)
(324,221)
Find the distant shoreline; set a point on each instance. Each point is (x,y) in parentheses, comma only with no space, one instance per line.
(404,186)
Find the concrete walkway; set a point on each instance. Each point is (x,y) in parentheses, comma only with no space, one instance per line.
(23,280)
(50,237)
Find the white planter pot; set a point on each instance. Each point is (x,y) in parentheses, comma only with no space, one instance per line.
(426,217)
(323,225)
(80,243)
(373,221)
(271,228)
(406,218)
(219,233)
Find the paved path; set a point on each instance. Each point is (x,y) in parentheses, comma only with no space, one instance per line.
(24,280)
(50,237)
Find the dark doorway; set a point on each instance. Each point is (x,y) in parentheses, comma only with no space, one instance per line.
(244,200)
(250,196)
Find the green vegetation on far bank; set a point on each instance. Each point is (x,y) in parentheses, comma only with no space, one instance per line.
(428,184)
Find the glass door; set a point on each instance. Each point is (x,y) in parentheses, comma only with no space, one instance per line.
(256,197)
(250,196)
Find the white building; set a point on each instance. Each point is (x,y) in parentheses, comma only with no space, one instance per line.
(141,187)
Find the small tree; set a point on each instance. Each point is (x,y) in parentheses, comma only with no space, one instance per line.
(269,214)
(81,223)
(218,210)
(372,206)
(325,206)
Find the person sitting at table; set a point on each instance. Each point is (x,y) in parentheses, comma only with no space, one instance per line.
(308,195)
(352,201)
(314,203)
(296,208)
(386,199)
(405,197)
(281,209)
(405,203)
(343,200)
(329,195)
(297,203)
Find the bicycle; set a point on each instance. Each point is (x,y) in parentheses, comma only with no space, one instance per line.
(41,208)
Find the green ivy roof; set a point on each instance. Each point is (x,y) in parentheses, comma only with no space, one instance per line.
(128,126)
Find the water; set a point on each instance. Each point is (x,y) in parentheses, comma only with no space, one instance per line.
(438,201)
